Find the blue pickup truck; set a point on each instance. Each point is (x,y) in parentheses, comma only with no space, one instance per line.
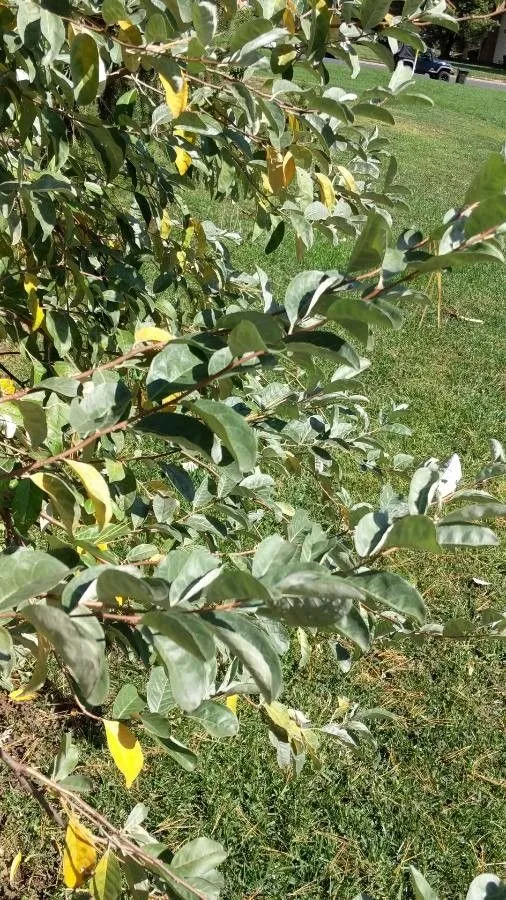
(425,63)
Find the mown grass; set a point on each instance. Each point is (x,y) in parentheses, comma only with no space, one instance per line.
(432,791)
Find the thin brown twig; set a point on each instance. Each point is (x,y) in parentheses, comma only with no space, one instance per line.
(117,362)
(19,771)
(111,835)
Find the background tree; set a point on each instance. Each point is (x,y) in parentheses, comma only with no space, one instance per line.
(141,339)
(471,30)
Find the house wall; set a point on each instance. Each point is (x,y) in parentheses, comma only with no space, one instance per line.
(500,45)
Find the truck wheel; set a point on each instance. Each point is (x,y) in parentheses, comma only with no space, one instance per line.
(444,76)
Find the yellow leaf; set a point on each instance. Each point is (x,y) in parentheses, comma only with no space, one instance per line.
(165,225)
(266,184)
(177,101)
(231,703)
(171,398)
(36,312)
(30,282)
(102,546)
(29,690)
(21,695)
(188,136)
(155,559)
(347,178)
(183,160)
(106,883)
(124,749)
(150,333)
(275,169)
(293,123)
(7,386)
(280,717)
(289,21)
(15,864)
(79,855)
(96,488)
(327,195)
(129,33)
(280,169)
(288,168)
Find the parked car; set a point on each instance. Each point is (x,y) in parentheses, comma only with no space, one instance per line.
(425,63)
(429,64)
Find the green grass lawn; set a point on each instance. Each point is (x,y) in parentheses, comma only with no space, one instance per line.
(432,792)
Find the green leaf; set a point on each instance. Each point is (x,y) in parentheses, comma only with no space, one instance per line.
(267,327)
(53,29)
(421,888)
(174,369)
(324,344)
(157,29)
(63,498)
(371,245)
(486,887)
(113,11)
(392,591)
(26,504)
(216,718)
(492,470)
(248,53)
(34,420)
(6,651)
(245,338)
(197,858)
(28,17)
(370,532)
(300,291)
(159,695)
(179,753)
(113,582)
(372,12)
(66,759)
(475,511)
(84,68)
(236,584)
(104,402)
(184,431)
(205,20)
(376,312)
(489,181)
(462,535)
(127,702)
(415,532)
(27,573)
(250,644)
(71,636)
(185,646)
(65,387)
(276,237)
(232,430)
(421,490)
(373,111)
(109,147)
(106,881)
(156,724)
